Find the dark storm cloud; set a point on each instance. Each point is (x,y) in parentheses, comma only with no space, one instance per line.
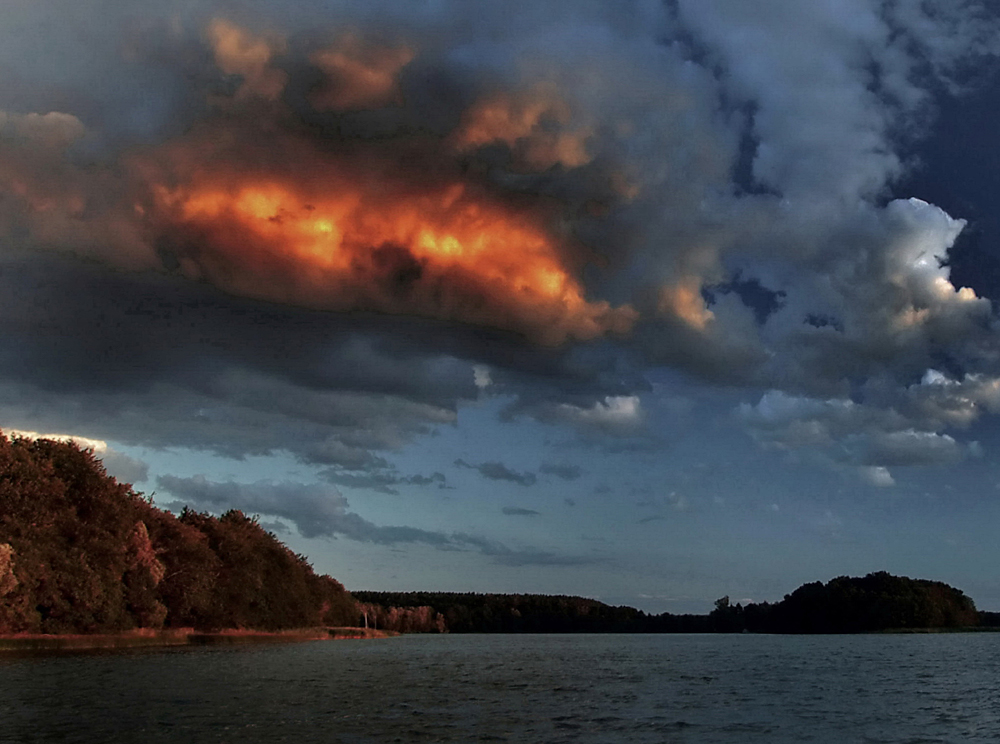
(108,352)
(499,472)
(163,202)
(110,329)
(213,370)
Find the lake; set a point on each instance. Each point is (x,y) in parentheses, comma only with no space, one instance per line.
(517,688)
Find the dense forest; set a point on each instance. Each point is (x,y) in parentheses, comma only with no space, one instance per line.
(437,612)
(82,553)
(878,601)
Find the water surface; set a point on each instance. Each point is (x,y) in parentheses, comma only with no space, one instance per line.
(517,688)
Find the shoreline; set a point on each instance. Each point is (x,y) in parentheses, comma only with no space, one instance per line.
(179,637)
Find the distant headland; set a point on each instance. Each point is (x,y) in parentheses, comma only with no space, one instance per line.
(84,555)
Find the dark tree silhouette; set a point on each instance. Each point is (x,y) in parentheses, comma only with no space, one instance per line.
(878,601)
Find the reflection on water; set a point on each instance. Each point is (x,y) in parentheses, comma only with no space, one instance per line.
(607,688)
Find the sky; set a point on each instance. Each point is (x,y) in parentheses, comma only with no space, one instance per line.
(646,301)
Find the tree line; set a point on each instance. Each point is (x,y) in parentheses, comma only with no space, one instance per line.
(82,553)
(876,602)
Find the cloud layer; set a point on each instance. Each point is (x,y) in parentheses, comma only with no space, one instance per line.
(325,231)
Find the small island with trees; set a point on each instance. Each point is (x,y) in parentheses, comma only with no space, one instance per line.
(84,556)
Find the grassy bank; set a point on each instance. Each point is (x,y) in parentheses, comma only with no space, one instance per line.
(179,637)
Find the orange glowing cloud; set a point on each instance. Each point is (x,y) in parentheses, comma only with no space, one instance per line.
(445,251)
(238,52)
(360,75)
(683,299)
(263,204)
(532,124)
